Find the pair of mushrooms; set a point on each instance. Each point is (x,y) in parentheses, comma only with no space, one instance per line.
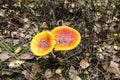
(60,38)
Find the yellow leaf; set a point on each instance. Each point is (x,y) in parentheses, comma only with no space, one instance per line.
(58,71)
(115,34)
(18,49)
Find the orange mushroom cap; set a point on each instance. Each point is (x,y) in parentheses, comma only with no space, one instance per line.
(66,38)
(42,43)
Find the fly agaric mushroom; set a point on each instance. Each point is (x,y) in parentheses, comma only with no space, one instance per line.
(42,43)
(66,38)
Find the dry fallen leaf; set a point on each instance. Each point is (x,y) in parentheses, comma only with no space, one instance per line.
(26,56)
(100,49)
(15,63)
(14,34)
(48,73)
(107,76)
(56,77)
(100,56)
(72,72)
(44,25)
(116,58)
(97,28)
(27,75)
(76,78)
(105,45)
(22,35)
(4,56)
(7,73)
(84,64)
(114,68)
(116,47)
(115,19)
(69,6)
(105,65)
(36,29)
(36,69)
(2,12)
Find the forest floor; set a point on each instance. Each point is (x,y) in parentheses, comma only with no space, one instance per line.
(97,57)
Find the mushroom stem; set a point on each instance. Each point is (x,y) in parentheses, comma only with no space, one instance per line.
(53,55)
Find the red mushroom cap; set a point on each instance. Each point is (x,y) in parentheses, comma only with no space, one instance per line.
(66,38)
